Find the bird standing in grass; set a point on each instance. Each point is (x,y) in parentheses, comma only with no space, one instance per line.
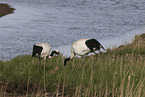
(41,51)
(83,47)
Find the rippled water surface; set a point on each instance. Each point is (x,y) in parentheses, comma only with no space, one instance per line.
(61,22)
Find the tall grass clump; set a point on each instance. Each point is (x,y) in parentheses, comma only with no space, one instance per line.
(119,72)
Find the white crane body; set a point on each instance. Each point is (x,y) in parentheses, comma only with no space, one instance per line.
(83,47)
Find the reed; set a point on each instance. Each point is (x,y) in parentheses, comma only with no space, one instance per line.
(119,72)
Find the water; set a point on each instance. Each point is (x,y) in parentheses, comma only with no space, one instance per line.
(61,22)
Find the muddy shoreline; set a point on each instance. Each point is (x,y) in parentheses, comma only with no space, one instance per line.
(5,9)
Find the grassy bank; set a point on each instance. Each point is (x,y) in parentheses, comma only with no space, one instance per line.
(118,72)
(5,9)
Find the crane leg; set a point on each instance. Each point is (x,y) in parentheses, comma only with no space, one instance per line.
(39,63)
(83,60)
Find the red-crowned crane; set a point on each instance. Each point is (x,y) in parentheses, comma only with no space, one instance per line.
(83,47)
(41,51)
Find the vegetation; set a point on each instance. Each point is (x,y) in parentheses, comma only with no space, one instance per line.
(5,9)
(118,72)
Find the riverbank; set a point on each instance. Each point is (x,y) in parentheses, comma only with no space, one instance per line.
(5,9)
(118,72)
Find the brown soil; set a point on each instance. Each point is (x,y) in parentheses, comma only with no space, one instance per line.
(5,9)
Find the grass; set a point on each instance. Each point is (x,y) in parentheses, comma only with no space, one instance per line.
(120,72)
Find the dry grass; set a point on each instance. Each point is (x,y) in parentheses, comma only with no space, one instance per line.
(120,72)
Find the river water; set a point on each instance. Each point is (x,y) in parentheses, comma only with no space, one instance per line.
(61,22)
